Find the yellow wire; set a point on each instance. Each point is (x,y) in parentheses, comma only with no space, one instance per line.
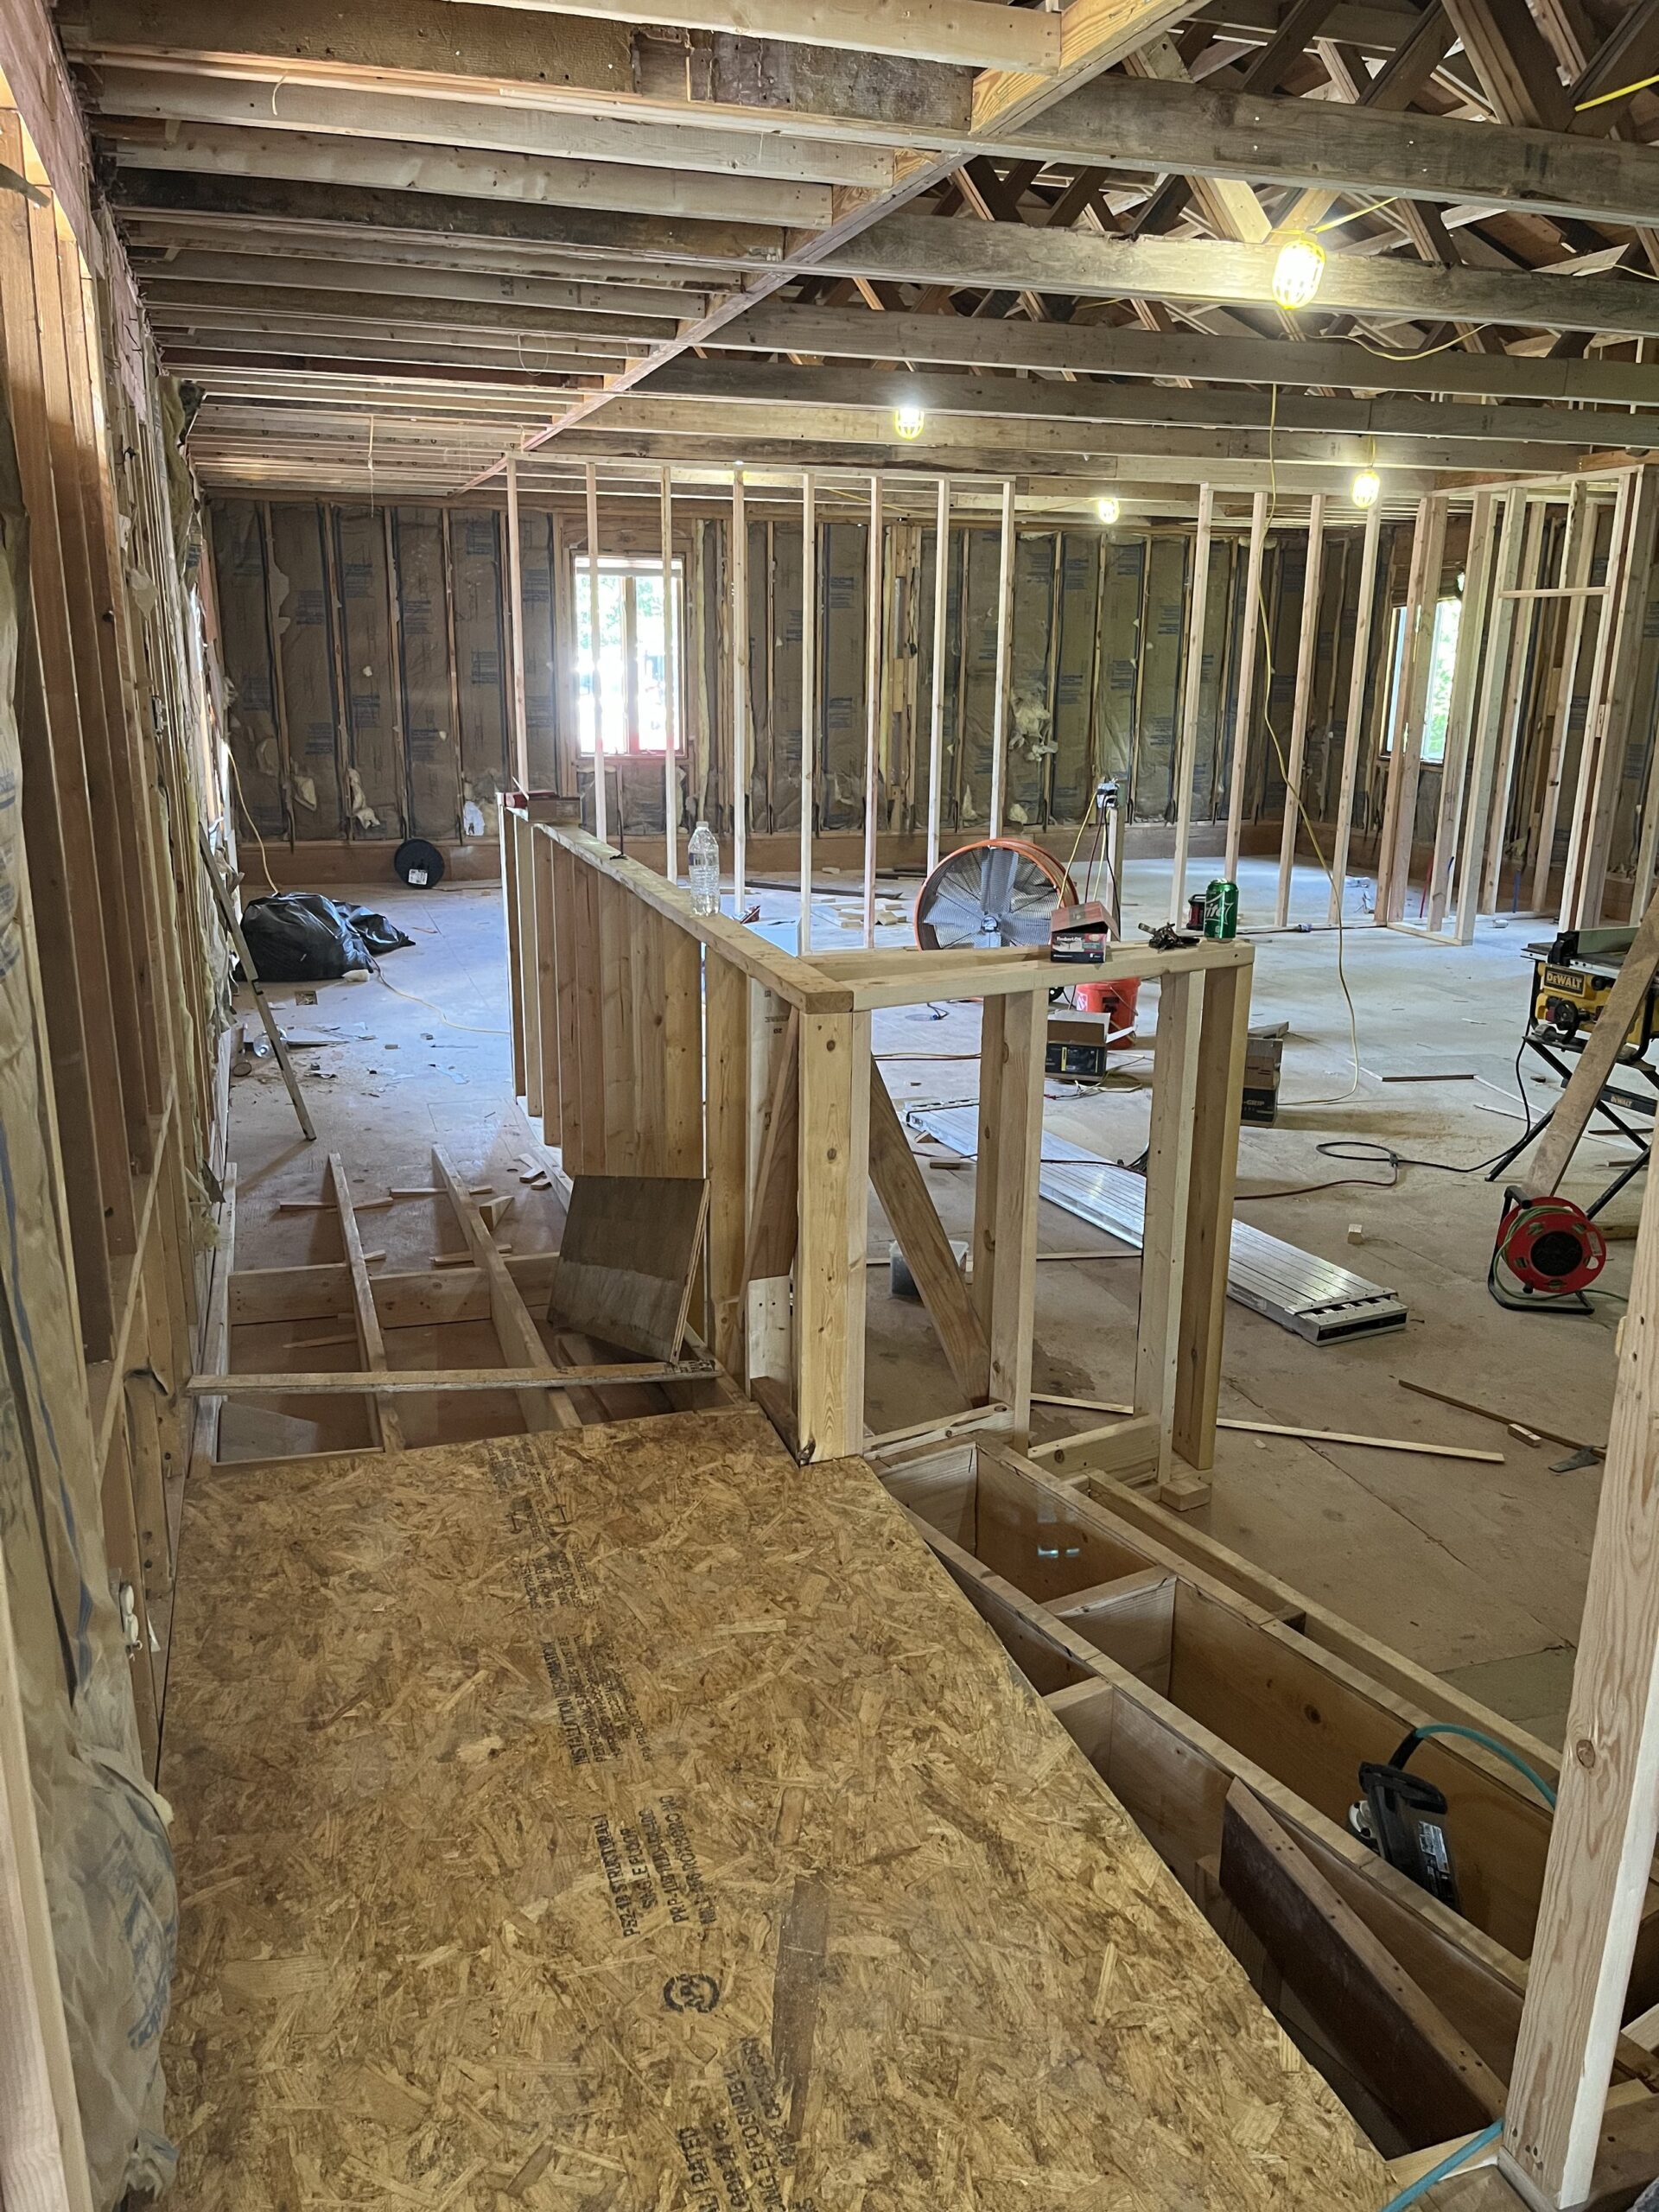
(1076,841)
(471,1028)
(1601,99)
(248,812)
(1336,222)
(1294,797)
(1382,353)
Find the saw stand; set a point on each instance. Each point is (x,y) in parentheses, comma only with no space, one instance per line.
(1541,1044)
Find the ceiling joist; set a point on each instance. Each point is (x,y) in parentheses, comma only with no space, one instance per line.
(405,240)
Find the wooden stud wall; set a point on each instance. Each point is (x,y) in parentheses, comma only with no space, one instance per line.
(115,970)
(109,805)
(1084,698)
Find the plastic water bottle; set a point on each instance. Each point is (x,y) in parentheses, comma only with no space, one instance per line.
(703,870)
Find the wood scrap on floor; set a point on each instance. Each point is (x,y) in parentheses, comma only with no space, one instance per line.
(432,1191)
(1503,1419)
(326,1205)
(1264,1428)
(404,1381)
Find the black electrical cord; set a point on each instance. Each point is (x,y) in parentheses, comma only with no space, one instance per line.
(1363,1151)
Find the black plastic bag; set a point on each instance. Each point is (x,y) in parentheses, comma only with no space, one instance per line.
(300,936)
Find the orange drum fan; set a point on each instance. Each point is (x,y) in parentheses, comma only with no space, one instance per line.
(998,892)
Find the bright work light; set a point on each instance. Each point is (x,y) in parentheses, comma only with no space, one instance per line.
(1367,486)
(1107,510)
(1299,269)
(908,420)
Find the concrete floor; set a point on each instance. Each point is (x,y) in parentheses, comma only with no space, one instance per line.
(1476,1570)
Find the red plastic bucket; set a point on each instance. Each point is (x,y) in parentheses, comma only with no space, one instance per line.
(1117,1001)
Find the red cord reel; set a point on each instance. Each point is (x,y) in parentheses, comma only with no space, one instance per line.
(1550,1247)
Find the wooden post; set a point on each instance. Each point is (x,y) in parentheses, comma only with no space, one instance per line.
(398,686)
(829,1270)
(874,600)
(278,684)
(936,717)
(740,587)
(1012,1039)
(1224,1033)
(1307,645)
(1192,686)
(1611,698)
(522,921)
(726,1096)
(1004,639)
(1578,829)
(580,1149)
(547,981)
(1648,849)
(1249,639)
(808,696)
(774,1038)
(1169,1177)
(682,971)
(1459,712)
(1400,719)
(1527,612)
(448,555)
(1577,551)
(670,688)
(1353,734)
(645,988)
(614,984)
(600,829)
(504,820)
(1500,629)
(1601,1844)
(1413,684)
(516,628)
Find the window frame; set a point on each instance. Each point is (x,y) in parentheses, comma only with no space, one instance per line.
(631,568)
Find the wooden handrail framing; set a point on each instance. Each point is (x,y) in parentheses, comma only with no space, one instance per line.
(659,1035)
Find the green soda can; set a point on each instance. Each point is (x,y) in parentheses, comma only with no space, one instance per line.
(1221,909)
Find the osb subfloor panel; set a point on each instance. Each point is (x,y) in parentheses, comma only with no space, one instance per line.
(627,1819)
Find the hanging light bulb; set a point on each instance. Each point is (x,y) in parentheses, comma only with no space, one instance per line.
(908,420)
(1108,510)
(1368,487)
(1299,269)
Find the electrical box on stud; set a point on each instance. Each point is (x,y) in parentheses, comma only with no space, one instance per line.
(1299,269)
(1368,488)
(1108,510)
(908,421)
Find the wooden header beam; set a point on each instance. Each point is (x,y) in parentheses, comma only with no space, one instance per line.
(1001,257)
(1024,399)
(974,341)
(1211,130)
(960,31)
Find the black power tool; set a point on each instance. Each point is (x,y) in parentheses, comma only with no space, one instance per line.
(1403,1818)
